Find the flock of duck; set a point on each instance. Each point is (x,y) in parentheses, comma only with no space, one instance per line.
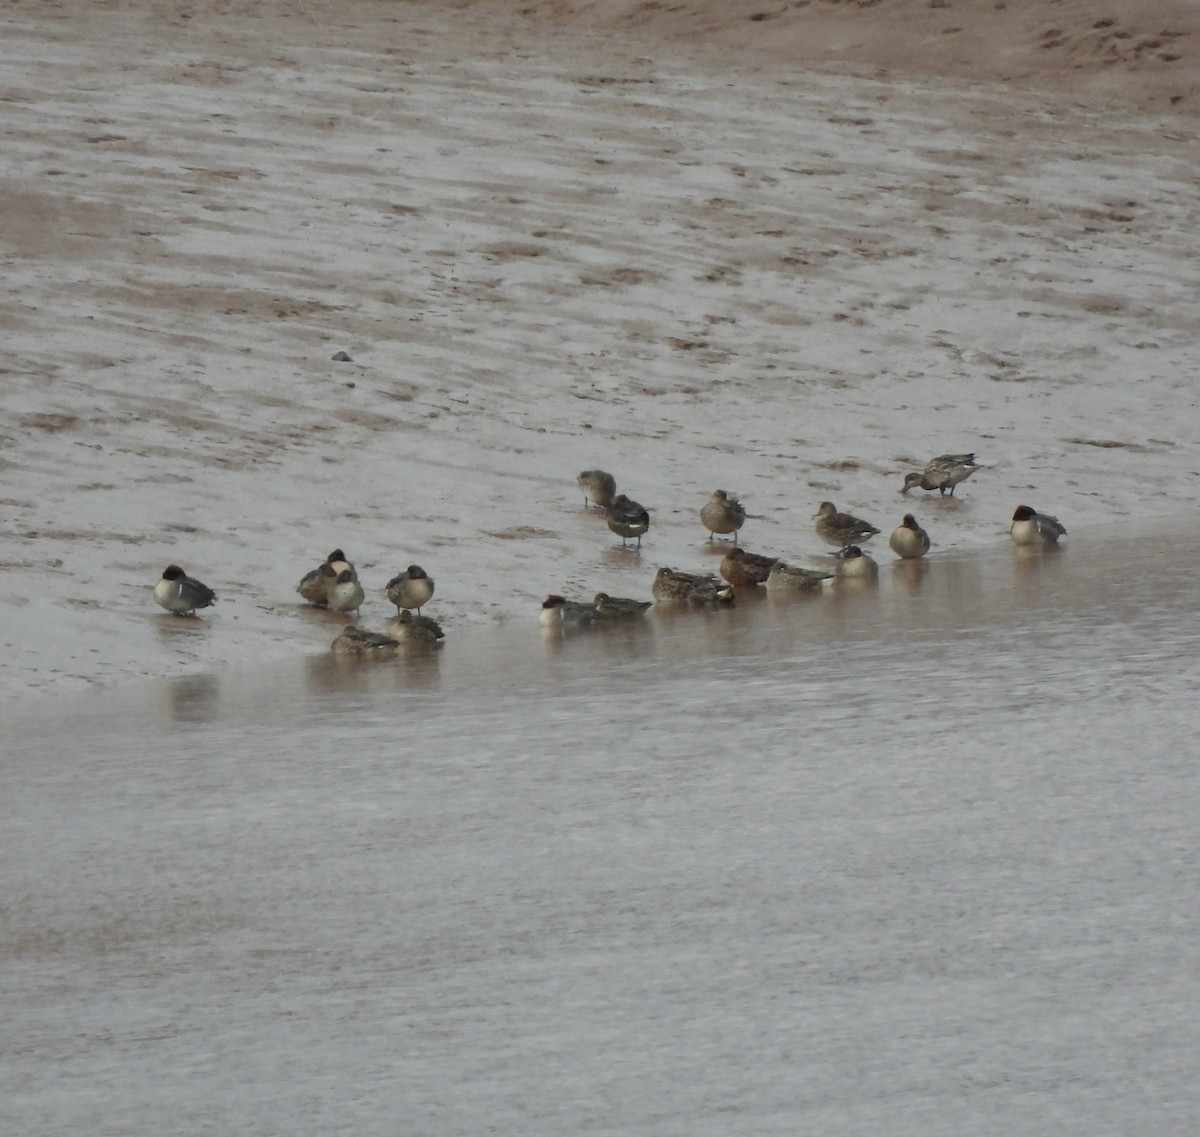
(334,584)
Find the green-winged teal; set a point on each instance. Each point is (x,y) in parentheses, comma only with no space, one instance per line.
(408,628)
(670,584)
(411,589)
(722,514)
(908,539)
(942,473)
(1032,528)
(628,519)
(841,529)
(178,593)
(598,486)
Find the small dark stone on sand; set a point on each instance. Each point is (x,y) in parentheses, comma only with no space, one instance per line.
(342,357)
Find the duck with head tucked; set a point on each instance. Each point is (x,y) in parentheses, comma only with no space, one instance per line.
(741,568)
(841,529)
(854,564)
(942,473)
(908,539)
(345,593)
(314,584)
(792,578)
(1032,528)
(597,486)
(722,514)
(698,588)
(369,645)
(180,594)
(408,628)
(628,519)
(412,588)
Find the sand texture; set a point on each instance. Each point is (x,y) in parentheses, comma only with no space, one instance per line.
(788,252)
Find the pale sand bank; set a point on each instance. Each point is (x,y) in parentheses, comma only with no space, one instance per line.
(544,248)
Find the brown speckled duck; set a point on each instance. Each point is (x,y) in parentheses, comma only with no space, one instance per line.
(792,578)
(408,628)
(314,584)
(670,584)
(369,645)
(942,473)
(722,514)
(841,529)
(742,568)
(597,486)
(617,607)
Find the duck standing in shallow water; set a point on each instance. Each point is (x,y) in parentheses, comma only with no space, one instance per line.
(722,514)
(1032,528)
(790,578)
(628,519)
(597,486)
(670,584)
(558,612)
(408,628)
(413,588)
(314,585)
(345,593)
(371,645)
(908,539)
(942,473)
(841,529)
(179,594)
(617,607)
(741,568)
(856,565)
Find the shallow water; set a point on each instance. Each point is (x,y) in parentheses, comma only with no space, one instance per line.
(916,859)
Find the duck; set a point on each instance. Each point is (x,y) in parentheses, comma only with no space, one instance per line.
(558,612)
(908,539)
(598,486)
(628,518)
(790,578)
(345,593)
(1032,528)
(722,514)
(314,585)
(617,607)
(741,567)
(841,529)
(408,628)
(854,564)
(358,641)
(670,584)
(410,589)
(942,473)
(180,594)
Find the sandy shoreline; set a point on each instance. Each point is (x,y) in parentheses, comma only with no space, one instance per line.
(1136,55)
(543,252)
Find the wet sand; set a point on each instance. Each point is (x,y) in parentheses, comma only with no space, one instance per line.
(545,246)
(911,858)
